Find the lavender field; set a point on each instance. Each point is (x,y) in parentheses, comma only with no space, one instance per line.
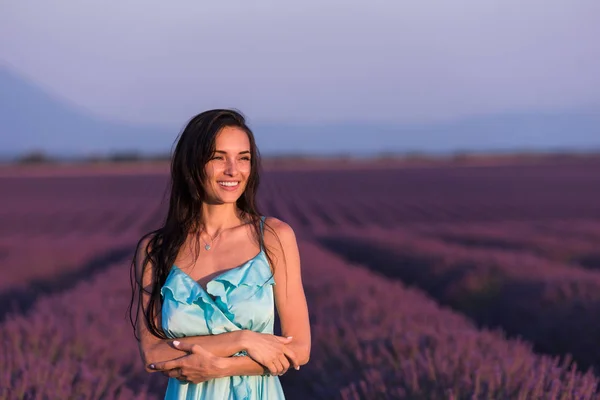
(428,282)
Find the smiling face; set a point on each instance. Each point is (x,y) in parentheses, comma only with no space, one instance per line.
(228,170)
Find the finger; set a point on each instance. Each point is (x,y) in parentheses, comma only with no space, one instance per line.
(169,364)
(183,346)
(166,365)
(279,367)
(197,349)
(190,347)
(272,368)
(291,355)
(283,339)
(173,373)
(284,363)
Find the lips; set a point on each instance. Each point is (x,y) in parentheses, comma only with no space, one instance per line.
(229,185)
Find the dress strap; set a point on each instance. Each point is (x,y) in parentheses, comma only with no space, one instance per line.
(262,229)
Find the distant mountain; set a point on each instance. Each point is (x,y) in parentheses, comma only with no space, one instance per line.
(31,119)
(579,132)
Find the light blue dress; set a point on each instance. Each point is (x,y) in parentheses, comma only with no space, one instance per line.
(242,298)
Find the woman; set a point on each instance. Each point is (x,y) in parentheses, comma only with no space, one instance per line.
(212,275)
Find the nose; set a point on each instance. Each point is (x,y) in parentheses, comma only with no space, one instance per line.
(230,167)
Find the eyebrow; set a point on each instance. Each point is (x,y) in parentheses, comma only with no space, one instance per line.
(241,152)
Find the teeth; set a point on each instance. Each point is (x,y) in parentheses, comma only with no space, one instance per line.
(228,183)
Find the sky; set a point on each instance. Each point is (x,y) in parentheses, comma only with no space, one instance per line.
(407,62)
(157,61)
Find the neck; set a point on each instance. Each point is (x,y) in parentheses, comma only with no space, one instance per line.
(218,217)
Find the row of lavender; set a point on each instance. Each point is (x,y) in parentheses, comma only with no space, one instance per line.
(47,207)
(387,198)
(389,341)
(56,255)
(74,345)
(552,304)
(372,338)
(112,217)
(312,199)
(62,241)
(359,197)
(573,242)
(41,261)
(69,254)
(57,230)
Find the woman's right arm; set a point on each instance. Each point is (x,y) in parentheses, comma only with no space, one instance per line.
(150,346)
(154,349)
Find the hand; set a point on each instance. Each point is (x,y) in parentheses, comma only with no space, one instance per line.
(271,352)
(198,366)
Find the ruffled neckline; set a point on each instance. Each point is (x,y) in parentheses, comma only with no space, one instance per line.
(187,290)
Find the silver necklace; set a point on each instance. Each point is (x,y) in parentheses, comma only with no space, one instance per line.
(212,240)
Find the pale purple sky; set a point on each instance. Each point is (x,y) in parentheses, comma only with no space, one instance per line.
(160,62)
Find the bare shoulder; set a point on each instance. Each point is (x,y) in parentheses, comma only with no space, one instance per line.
(282,229)
(285,245)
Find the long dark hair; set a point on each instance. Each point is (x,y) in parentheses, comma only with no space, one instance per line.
(195,146)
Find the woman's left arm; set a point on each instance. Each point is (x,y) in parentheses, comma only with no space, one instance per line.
(289,292)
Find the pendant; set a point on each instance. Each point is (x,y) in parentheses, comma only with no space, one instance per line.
(207,247)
